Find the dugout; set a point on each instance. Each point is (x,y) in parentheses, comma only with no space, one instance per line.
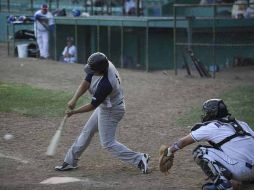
(130,42)
(155,43)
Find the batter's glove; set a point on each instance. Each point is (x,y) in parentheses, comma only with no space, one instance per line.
(166,159)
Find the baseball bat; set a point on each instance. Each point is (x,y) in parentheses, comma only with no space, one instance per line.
(55,140)
(186,64)
(194,62)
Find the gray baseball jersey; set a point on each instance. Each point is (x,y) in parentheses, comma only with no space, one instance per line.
(107,89)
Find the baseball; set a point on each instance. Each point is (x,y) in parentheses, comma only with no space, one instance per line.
(8,136)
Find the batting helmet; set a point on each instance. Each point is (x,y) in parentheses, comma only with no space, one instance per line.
(214,109)
(97,62)
(75,12)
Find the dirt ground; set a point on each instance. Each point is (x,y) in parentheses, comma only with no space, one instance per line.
(154,101)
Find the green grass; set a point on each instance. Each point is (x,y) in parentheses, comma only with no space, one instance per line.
(240,102)
(34,102)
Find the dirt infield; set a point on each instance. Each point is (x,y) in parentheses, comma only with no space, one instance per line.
(154,101)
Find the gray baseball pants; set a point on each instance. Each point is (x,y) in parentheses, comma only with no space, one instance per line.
(104,121)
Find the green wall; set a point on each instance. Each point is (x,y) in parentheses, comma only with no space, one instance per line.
(3,26)
(160,45)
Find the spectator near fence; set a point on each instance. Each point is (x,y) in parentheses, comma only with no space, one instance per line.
(130,7)
(249,13)
(70,51)
(239,8)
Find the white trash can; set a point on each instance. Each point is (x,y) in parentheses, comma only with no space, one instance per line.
(22,50)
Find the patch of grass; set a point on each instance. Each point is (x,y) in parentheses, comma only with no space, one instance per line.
(240,102)
(34,102)
(191,117)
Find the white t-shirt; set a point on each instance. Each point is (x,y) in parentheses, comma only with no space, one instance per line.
(239,148)
(38,26)
(249,13)
(129,5)
(72,51)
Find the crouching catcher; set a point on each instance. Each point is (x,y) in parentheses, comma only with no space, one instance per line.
(229,159)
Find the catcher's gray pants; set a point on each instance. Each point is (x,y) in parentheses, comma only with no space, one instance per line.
(105,121)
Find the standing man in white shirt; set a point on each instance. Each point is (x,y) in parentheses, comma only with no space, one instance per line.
(43,24)
(130,7)
(230,158)
(70,51)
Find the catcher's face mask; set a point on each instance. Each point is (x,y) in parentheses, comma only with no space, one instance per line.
(214,109)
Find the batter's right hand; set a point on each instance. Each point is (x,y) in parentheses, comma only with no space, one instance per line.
(71,104)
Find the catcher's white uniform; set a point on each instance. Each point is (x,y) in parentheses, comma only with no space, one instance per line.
(237,155)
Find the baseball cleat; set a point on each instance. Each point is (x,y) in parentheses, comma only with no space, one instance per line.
(65,167)
(223,185)
(143,164)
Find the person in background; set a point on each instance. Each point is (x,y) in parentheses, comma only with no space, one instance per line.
(43,24)
(130,7)
(249,13)
(70,51)
(239,8)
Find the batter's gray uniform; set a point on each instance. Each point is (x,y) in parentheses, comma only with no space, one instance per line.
(108,99)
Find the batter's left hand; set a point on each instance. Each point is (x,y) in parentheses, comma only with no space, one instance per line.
(71,104)
(69,113)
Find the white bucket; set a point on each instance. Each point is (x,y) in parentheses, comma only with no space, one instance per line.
(22,50)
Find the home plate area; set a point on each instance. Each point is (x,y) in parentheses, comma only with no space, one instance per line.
(60,180)
(84,181)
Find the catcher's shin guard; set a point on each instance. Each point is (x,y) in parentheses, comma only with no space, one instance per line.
(212,168)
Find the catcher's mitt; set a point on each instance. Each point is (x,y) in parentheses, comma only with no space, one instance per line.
(165,162)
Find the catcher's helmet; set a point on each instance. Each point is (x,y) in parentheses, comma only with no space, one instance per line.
(97,62)
(214,109)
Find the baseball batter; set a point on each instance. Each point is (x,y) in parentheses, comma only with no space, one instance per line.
(104,83)
(44,22)
(230,157)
